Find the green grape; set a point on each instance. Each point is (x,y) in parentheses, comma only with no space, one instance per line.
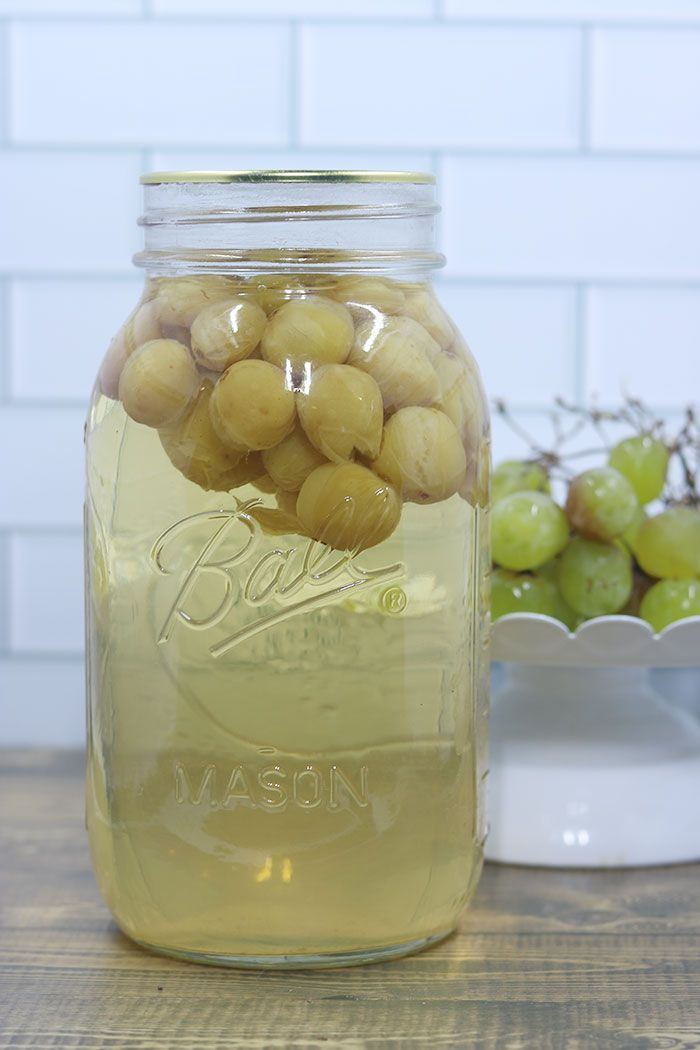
(565,613)
(516,592)
(515,475)
(513,592)
(670,600)
(668,545)
(629,536)
(601,503)
(527,529)
(643,460)
(594,578)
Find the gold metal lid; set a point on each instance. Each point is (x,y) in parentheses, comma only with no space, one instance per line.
(155,178)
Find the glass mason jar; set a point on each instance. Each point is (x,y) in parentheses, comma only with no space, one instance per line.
(287,578)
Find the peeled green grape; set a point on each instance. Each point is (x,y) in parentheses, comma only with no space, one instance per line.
(287,501)
(227,331)
(194,447)
(341,412)
(290,463)
(272,290)
(670,600)
(422,455)
(601,503)
(397,353)
(462,399)
(515,475)
(141,327)
(275,522)
(359,293)
(158,383)
(643,460)
(263,482)
(423,307)
(251,407)
(527,529)
(461,396)
(668,545)
(314,330)
(179,299)
(594,578)
(348,507)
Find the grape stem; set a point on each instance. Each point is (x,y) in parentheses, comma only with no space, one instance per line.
(568,420)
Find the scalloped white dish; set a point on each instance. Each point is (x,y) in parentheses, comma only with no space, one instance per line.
(590,767)
(607,641)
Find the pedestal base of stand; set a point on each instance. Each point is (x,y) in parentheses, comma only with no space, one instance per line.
(591,768)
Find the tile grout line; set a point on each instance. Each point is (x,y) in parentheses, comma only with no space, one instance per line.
(436,165)
(447,150)
(4,592)
(5,84)
(580,362)
(295,72)
(41,656)
(43,404)
(417,21)
(511,280)
(5,338)
(585,91)
(62,531)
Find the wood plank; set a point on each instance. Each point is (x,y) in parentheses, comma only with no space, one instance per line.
(544,960)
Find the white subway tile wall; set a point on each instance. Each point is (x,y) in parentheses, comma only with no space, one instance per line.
(565,135)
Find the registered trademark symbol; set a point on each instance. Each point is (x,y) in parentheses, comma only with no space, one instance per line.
(393,600)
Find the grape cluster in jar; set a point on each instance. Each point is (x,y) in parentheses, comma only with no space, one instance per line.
(344,396)
(604,551)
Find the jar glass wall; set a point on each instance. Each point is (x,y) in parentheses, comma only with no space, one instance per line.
(287,580)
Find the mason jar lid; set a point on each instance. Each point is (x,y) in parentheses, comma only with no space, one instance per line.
(156,178)
(208,221)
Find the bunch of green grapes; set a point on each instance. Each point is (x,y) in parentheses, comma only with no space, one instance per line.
(603,551)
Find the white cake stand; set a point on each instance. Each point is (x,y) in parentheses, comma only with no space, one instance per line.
(590,767)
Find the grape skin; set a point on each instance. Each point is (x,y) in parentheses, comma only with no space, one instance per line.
(629,536)
(643,460)
(670,600)
(515,475)
(601,503)
(527,529)
(513,592)
(594,578)
(668,545)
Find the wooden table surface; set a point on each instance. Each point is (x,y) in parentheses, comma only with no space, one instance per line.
(544,959)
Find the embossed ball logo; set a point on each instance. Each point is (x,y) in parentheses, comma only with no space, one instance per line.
(215,557)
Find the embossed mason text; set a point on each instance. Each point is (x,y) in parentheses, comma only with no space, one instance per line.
(271,787)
